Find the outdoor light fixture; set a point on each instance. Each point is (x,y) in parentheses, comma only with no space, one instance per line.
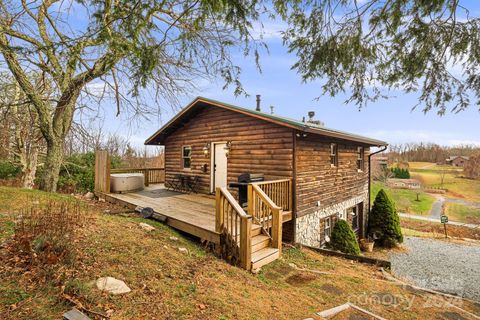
(227,148)
(301,135)
(206,149)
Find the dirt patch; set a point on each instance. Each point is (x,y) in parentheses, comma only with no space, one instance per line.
(301,279)
(282,269)
(330,288)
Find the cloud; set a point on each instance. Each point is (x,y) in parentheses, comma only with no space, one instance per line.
(405,136)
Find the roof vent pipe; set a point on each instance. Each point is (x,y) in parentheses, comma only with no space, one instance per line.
(311,115)
(271,109)
(258,103)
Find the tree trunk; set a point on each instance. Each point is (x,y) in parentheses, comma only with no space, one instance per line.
(53,163)
(29,169)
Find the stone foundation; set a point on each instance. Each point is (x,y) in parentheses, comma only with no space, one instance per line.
(308,227)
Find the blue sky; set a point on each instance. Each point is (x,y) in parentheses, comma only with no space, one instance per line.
(391,120)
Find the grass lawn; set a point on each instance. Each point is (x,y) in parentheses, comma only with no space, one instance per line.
(406,200)
(460,212)
(169,284)
(457,186)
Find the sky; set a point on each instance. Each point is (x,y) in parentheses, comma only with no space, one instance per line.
(392,120)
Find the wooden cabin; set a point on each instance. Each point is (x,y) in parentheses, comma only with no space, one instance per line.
(313,174)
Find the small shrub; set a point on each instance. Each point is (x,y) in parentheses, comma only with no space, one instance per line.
(343,238)
(9,170)
(384,222)
(44,234)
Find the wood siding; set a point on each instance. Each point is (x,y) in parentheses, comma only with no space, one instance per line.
(316,180)
(257,146)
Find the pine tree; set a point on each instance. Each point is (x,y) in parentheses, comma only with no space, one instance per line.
(343,239)
(384,222)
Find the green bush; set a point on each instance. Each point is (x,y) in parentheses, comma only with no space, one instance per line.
(400,173)
(343,238)
(384,223)
(8,170)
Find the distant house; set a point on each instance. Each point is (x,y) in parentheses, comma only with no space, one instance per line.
(404,183)
(457,161)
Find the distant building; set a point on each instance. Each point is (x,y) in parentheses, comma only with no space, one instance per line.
(457,161)
(404,183)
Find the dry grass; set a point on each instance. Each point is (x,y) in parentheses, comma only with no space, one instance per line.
(436,230)
(169,284)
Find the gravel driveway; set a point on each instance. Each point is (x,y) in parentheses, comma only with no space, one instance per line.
(440,265)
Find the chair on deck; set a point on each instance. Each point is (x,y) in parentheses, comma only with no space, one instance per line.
(192,183)
(174,184)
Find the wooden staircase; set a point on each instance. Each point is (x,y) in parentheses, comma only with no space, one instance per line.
(254,238)
(262,252)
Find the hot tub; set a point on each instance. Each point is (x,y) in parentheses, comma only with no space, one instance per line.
(126,182)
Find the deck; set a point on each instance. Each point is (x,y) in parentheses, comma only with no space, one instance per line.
(191,213)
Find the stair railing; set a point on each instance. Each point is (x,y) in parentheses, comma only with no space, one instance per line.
(279,191)
(266,213)
(235,227)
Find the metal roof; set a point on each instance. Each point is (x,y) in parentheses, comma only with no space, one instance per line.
(157,137)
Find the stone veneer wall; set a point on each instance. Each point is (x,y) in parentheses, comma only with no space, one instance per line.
(309,227)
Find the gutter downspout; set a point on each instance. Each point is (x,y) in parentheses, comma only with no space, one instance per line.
(370,178)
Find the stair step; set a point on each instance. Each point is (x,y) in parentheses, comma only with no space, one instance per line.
(259,242)
(263,257)
(256,229)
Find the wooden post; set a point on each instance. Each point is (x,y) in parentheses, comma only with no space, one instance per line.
(290,195)
(102,171)
(277,220)
(246,243)
(250,209)
(218,211)
(147,177)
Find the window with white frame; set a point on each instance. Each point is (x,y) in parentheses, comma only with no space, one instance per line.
(328,227)
(360,158)
(186,157)
(333,154)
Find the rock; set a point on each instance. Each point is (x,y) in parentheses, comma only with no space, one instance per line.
(184,250)
(106,211)
(75,314)
(146,226)
(89,195)
(101,200)
(174,238)
(202,307)
(112,285)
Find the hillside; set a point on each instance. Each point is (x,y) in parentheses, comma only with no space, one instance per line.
(169,284)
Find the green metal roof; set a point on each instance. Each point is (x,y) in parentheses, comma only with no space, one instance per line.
(297,124)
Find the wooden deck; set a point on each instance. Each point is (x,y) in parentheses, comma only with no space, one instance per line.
(191,213)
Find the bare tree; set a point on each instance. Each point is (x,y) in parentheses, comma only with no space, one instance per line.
(22,139)
(472,167)
(123,46)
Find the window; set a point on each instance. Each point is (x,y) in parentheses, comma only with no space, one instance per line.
(328,227)
(186,156)
(355,218)
(360,158)
(333,154)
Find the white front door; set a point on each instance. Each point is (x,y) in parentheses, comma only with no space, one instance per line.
(219,166)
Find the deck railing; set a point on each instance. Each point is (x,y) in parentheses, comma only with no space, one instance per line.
(152,175)
(266,213)
(235,226)
(279,191)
